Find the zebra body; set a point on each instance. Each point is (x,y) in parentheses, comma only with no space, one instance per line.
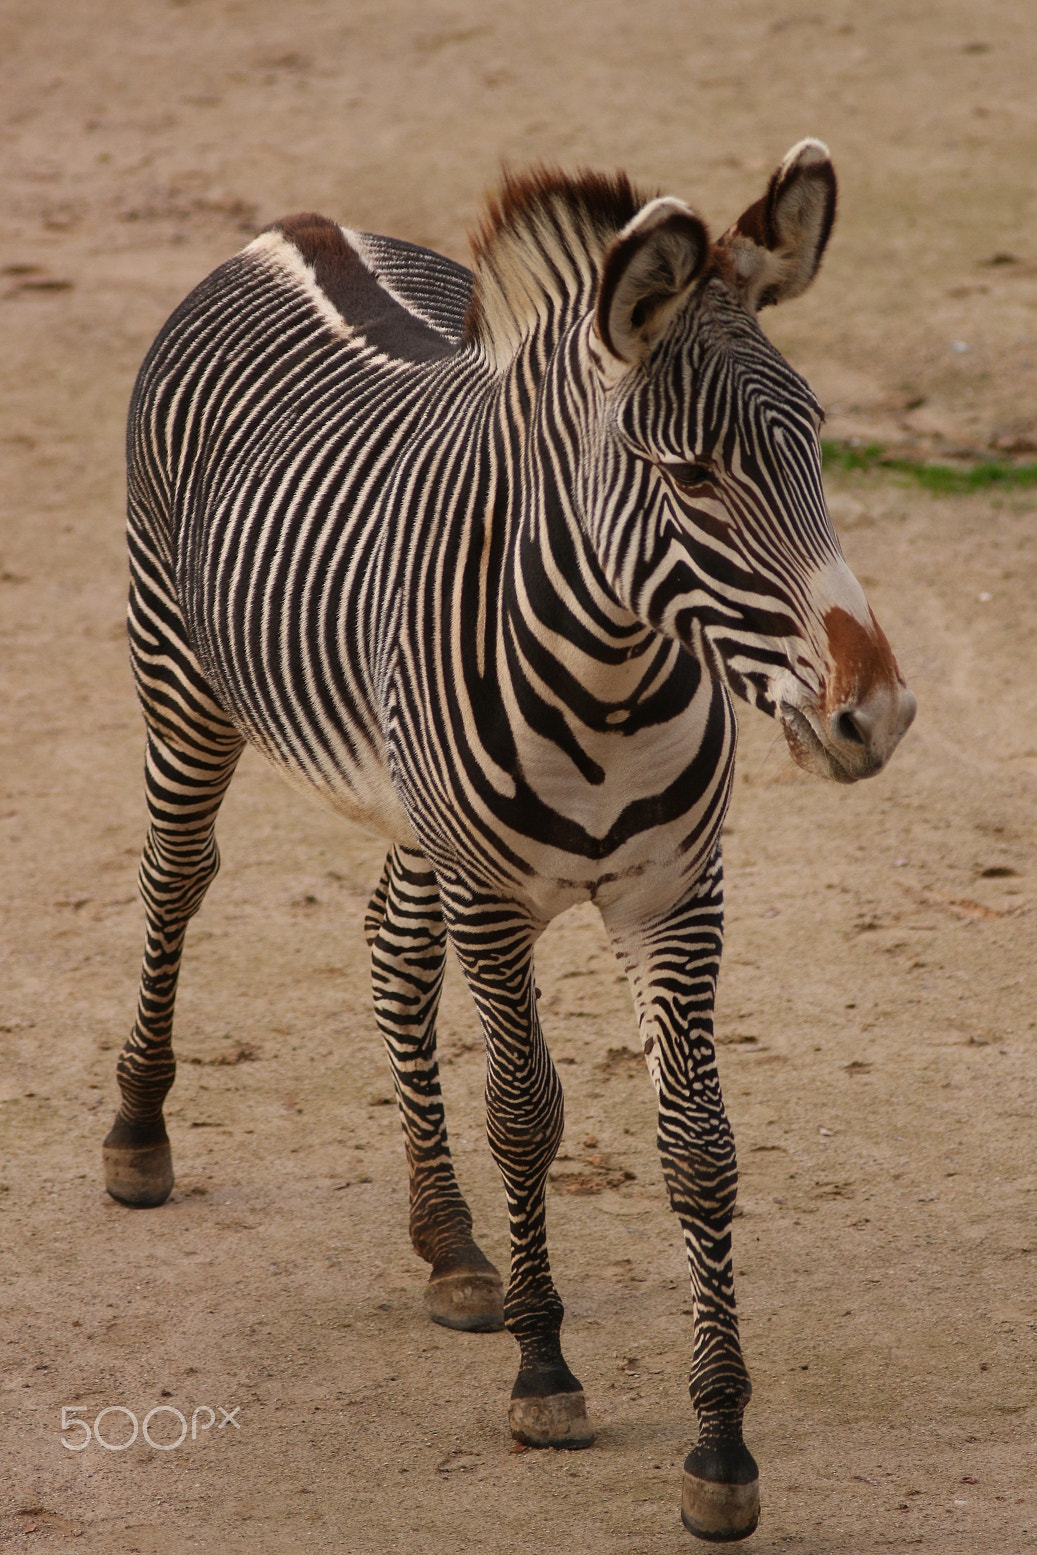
(480,560)
(270,550)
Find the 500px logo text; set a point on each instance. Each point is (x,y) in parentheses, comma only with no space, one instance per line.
(102,1430)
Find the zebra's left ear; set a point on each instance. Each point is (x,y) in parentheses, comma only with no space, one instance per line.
(647,274)
(774,248)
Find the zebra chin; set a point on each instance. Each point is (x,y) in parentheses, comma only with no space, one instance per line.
(854,742)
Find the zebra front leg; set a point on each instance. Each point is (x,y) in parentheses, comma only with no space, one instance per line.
(673,963)
(405,930)
(184,788)
(524,1122)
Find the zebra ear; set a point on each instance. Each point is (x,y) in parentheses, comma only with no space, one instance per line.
(647,274)
(774,248)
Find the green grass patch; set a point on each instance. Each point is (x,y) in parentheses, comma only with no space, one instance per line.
(944,479)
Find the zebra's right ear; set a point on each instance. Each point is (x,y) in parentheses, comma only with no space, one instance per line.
(774,249)
(647,274)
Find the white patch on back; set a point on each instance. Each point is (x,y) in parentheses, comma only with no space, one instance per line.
(277,250)
(363,251)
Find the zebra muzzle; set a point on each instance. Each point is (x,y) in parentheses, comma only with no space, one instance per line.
(855,739)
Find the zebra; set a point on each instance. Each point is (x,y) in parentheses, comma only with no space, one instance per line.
(481,559)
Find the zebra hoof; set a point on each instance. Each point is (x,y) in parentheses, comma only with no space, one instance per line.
(720,1510)
(471,1302)
(138,1173)
(559,1420)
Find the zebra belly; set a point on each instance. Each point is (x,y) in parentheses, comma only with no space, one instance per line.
(366,796)
(334,755)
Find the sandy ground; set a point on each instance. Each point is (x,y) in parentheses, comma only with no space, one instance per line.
(876,1009)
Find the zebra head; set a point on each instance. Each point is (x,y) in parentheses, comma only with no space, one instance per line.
(716,530)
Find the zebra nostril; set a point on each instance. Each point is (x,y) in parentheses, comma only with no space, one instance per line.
(848,730)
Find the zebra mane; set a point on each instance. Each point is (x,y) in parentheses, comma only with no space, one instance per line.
(538,250)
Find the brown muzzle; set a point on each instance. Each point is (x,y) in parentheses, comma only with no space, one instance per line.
(864,708)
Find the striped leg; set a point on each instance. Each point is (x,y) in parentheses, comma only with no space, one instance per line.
(191,754)
(404,927)
(524,1120)
(672,962)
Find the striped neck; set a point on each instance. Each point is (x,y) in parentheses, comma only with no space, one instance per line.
(537,254)
(562,628)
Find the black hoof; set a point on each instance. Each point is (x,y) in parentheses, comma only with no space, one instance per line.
(720,1499)
(138,1164)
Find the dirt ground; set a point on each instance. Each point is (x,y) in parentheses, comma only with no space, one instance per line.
(877,1014)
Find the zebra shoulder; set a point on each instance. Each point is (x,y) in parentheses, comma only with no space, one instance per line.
(406,301)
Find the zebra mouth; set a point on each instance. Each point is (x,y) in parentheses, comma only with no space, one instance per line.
(808,750)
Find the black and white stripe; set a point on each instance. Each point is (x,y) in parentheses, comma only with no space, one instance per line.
(480,561)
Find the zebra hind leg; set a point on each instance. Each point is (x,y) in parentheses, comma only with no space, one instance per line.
(404,927)
(186,780)
(524,1122)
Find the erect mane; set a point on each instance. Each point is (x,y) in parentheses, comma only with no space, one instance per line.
(539,246)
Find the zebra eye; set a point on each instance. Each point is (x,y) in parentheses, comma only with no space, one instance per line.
(691,475)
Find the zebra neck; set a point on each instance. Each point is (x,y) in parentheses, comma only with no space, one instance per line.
(538,254)
(562,624)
